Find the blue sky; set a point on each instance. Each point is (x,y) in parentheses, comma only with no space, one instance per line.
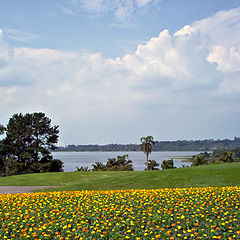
(112,71)
(94,26)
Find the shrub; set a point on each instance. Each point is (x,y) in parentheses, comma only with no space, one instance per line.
(121,163)
(82,169)
(12,167)
(167,164)
(98,166)
(200,159)
(56,165)
(152,165)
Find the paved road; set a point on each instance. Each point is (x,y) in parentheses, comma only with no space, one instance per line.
(21,189)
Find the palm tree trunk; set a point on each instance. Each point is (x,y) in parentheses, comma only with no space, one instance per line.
(147,161)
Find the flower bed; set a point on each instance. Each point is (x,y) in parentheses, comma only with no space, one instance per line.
(180,213)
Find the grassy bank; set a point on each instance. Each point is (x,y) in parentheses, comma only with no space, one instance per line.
(208,175)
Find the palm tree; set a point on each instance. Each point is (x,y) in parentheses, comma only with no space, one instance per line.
(147,143)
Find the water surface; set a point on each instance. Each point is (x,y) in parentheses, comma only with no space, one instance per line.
(77,159)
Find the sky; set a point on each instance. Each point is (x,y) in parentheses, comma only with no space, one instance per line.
(113,71)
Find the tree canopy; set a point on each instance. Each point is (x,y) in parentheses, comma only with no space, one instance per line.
(29,139)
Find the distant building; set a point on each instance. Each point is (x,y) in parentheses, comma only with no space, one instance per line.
(61,144)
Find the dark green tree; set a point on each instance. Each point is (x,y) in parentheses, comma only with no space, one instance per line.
(28,142)
(2,157)
(146,146)
(30,137)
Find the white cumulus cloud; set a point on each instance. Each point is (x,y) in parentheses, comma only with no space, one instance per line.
(171,79)
(228,59)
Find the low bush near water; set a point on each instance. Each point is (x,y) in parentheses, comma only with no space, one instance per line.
(180,213)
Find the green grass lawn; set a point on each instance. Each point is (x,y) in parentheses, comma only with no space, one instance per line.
(208,175)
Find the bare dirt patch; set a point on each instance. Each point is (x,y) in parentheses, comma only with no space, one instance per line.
(21,189)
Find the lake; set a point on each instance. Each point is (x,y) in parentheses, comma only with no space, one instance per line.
(77,159)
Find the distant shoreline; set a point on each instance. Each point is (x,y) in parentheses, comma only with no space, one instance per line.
(130,151)
(167,146)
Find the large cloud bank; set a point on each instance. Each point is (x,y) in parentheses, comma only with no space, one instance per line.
(173,86)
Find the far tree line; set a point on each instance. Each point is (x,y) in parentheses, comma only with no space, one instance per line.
(179,145)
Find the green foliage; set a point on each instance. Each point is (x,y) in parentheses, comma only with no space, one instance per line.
(146,146)
(82,169)
(98,166)
(236,153)
(2,131)
(200,159)
(121,163)
(12,167)
(224,157)
(216,157)
(197,145)
(26,147)
(167,164)
(152,165)
(29,136)
(55,165)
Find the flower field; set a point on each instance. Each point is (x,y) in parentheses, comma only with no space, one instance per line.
(180,213)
